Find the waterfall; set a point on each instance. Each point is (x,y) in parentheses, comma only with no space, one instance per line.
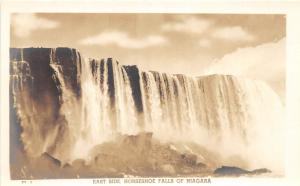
(104,116)
(225,114)
(21,83)
(222,113)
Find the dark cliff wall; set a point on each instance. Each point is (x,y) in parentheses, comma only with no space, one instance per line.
(111,83)
(45,90)
(34,89)
(70,60)
(134,78)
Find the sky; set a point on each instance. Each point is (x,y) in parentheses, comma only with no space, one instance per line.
(249,45)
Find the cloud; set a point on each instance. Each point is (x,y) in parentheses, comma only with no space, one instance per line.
(265,62)
(188,24)
(205,43)
(235,33)
(25,23)
(122,39)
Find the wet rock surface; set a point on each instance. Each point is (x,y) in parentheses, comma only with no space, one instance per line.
(236,171)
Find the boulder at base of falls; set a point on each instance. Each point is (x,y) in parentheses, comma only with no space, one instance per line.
(141,155)
(236,171)
(261,171)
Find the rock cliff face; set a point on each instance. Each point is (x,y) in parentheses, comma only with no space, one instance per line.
(65,106)
(31,71)
(36,92)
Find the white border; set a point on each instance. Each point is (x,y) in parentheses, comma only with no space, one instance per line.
(291,9)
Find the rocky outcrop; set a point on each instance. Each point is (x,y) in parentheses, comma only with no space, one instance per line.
(143,156)
(236,171)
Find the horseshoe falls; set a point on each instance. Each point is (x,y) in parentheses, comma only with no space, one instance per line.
(67,105)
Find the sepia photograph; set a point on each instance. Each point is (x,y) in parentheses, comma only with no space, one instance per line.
(146,95)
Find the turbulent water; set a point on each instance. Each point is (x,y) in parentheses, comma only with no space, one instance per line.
(225,114)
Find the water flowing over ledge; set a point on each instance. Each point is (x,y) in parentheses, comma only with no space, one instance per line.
(66,106)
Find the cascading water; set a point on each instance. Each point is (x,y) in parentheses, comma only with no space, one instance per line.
(103,116)
(225,114)
(222,113)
